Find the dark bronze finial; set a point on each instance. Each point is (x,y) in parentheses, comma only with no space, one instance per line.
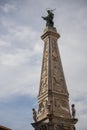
(49,18)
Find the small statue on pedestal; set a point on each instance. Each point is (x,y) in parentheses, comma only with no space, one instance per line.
(73,110)
(34,115)
(49,18)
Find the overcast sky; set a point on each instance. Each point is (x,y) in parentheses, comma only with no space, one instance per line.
(21,48)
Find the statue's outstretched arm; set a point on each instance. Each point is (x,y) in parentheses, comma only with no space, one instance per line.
(43,18)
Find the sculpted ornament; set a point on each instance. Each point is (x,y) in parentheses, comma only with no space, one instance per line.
(43,106)
(55,57)
(34,115)
(49,18)
(73,110)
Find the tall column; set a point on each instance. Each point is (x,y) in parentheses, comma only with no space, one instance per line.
(53,98)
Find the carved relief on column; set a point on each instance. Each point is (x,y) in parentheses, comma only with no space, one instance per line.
(43,82)
(61,107)
(58,76)
(43,107)
(62,126)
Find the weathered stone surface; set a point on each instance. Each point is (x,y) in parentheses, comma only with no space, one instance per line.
(53,103)
(52,78)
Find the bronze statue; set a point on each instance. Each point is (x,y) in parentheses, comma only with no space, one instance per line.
(34,115)
(73,110)
(49,18)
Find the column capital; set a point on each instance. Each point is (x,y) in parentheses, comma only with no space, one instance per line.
(50,31)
